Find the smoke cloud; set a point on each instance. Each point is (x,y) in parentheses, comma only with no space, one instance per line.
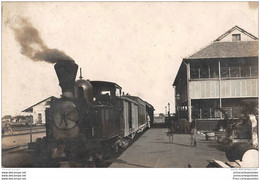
(32,45)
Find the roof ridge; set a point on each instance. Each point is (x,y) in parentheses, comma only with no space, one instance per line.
(39,102)
(234,41)
(235,28)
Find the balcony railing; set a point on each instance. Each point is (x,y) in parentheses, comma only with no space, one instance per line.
(232,112)
(208,113)
(226,72)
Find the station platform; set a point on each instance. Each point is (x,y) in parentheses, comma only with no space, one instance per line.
(153,150)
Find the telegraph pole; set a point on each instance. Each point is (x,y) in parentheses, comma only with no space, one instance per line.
(169,112)
(30,131)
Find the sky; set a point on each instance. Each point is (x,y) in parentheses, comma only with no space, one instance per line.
(138,45)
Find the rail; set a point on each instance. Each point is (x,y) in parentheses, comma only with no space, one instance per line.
(21,134)
(28,129)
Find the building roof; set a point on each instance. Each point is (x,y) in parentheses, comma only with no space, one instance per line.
(104,83)
(235,49)
(29,109)
(136,98)
(223,48)
(233,29)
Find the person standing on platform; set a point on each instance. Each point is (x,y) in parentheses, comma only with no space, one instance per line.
(170,132)
(148,121)
(193,134)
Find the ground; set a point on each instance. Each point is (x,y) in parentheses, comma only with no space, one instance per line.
(153,149)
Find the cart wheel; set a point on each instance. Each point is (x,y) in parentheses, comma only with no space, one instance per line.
(237,150)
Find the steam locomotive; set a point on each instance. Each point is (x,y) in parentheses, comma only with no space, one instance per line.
(90,120)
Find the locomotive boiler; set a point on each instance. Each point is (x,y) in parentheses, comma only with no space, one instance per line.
(90,120)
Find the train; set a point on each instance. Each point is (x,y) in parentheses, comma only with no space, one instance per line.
(90,120)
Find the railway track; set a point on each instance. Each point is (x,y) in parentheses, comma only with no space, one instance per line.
(28,129)
(22,149)
(24,131)
(21,134)
(106,162)
(14,149)
(18,139)
(21,154)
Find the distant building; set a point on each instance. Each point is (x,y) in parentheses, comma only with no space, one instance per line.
(7,118)
(218,79)
(159,118)
(38,110)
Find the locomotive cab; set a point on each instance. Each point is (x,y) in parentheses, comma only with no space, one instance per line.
(105,91)
(105,110)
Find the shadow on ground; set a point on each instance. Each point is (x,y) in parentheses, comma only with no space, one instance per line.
(219,147)
(124,162)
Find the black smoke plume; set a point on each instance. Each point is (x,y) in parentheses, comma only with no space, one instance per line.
(32,45)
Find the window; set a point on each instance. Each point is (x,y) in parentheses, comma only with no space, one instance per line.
(254,71)
(194,73)
(213,72)
(225,72)
(204,73)
(105,93)
(103,96)
(245,71)
(39,121)
(236,37)
(234,72)
(118,92)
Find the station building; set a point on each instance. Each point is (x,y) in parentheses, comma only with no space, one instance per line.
(38,110)
(213,83)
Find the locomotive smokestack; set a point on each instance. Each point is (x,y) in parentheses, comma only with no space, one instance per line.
(66,71)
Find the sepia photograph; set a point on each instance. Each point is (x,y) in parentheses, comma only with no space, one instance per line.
(94,85)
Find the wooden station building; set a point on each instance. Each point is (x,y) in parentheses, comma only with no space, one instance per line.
(218,79)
